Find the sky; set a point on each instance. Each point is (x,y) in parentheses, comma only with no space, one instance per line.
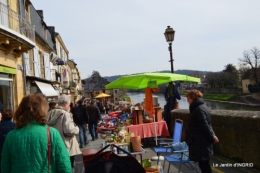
(120,37)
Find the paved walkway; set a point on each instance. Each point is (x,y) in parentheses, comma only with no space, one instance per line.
(148,146)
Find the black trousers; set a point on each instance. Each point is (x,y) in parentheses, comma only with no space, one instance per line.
(205,166)
(72,161)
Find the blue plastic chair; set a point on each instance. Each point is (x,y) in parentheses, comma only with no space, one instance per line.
(165,146)
(179,160)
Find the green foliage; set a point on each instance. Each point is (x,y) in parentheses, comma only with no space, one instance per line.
(230,68)
(183,93)
(95,77)
(254,88)
(83,82)
(222,97)
(126,98)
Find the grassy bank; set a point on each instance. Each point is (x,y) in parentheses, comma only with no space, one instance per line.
(221,97)
(126,98)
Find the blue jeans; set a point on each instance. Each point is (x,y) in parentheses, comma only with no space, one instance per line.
(83,138)
(92,126)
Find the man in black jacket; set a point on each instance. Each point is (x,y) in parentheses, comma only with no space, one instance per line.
(80,117)
(94,118)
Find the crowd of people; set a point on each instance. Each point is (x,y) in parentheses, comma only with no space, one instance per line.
(25,147)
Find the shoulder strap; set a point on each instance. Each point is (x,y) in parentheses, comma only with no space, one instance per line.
(49,148)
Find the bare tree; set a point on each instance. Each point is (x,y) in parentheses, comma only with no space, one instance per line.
(197,74)
(251,58)
(222,79)
(243,71)
(210,79)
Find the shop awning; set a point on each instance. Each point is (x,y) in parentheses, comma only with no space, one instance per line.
(46,89)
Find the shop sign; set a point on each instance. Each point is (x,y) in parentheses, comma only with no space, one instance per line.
(9,70)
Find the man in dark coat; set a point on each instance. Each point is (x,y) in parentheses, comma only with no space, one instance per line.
(100,106)
(94,118)
(80,117)
(200,135)
(171,95)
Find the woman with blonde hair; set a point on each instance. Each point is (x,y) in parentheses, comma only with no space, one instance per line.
(25,148)
(200,135)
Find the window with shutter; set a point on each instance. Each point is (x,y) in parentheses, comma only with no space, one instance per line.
(52,71)
(31,64)
(40,64)
(61,53)
(58,50)
(47,70)
(36,62)
(27,64)
(4,14)
(41,60)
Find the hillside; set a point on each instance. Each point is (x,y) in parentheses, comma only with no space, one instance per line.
(185,72)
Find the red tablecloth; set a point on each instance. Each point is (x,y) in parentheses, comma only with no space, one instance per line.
(146,130)
(103,128)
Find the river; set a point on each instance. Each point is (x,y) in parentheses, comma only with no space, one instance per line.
(183,104)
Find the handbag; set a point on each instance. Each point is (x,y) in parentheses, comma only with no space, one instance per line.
(49,148)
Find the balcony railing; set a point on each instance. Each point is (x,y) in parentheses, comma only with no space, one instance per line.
(14,21)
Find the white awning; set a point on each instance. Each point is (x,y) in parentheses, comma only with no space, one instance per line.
(46,89)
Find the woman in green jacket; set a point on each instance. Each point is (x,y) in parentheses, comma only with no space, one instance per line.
(25,148)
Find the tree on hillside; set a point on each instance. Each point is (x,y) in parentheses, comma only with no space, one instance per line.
(211,79)
(230,76)
(251,58)
(243,71)
(95,77)
(230,68)
(197,74)
(222,80)
(83,82)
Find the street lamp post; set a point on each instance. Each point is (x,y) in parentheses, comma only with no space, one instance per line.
(169,36)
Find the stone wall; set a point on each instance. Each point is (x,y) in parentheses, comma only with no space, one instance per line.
(238,133)
(256,96)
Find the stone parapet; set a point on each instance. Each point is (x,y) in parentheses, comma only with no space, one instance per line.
(256,96)
(238,133)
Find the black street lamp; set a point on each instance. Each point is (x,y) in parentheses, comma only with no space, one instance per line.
(169,35)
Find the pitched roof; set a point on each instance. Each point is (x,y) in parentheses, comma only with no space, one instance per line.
(90,86)
(101,83)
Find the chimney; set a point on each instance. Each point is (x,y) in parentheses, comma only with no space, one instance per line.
(40,12)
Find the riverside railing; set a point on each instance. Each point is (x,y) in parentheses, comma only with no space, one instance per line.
(14,21)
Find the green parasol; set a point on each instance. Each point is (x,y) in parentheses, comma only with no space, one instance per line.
(140,81)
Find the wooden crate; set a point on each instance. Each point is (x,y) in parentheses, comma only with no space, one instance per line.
(138,118)
(158,114)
